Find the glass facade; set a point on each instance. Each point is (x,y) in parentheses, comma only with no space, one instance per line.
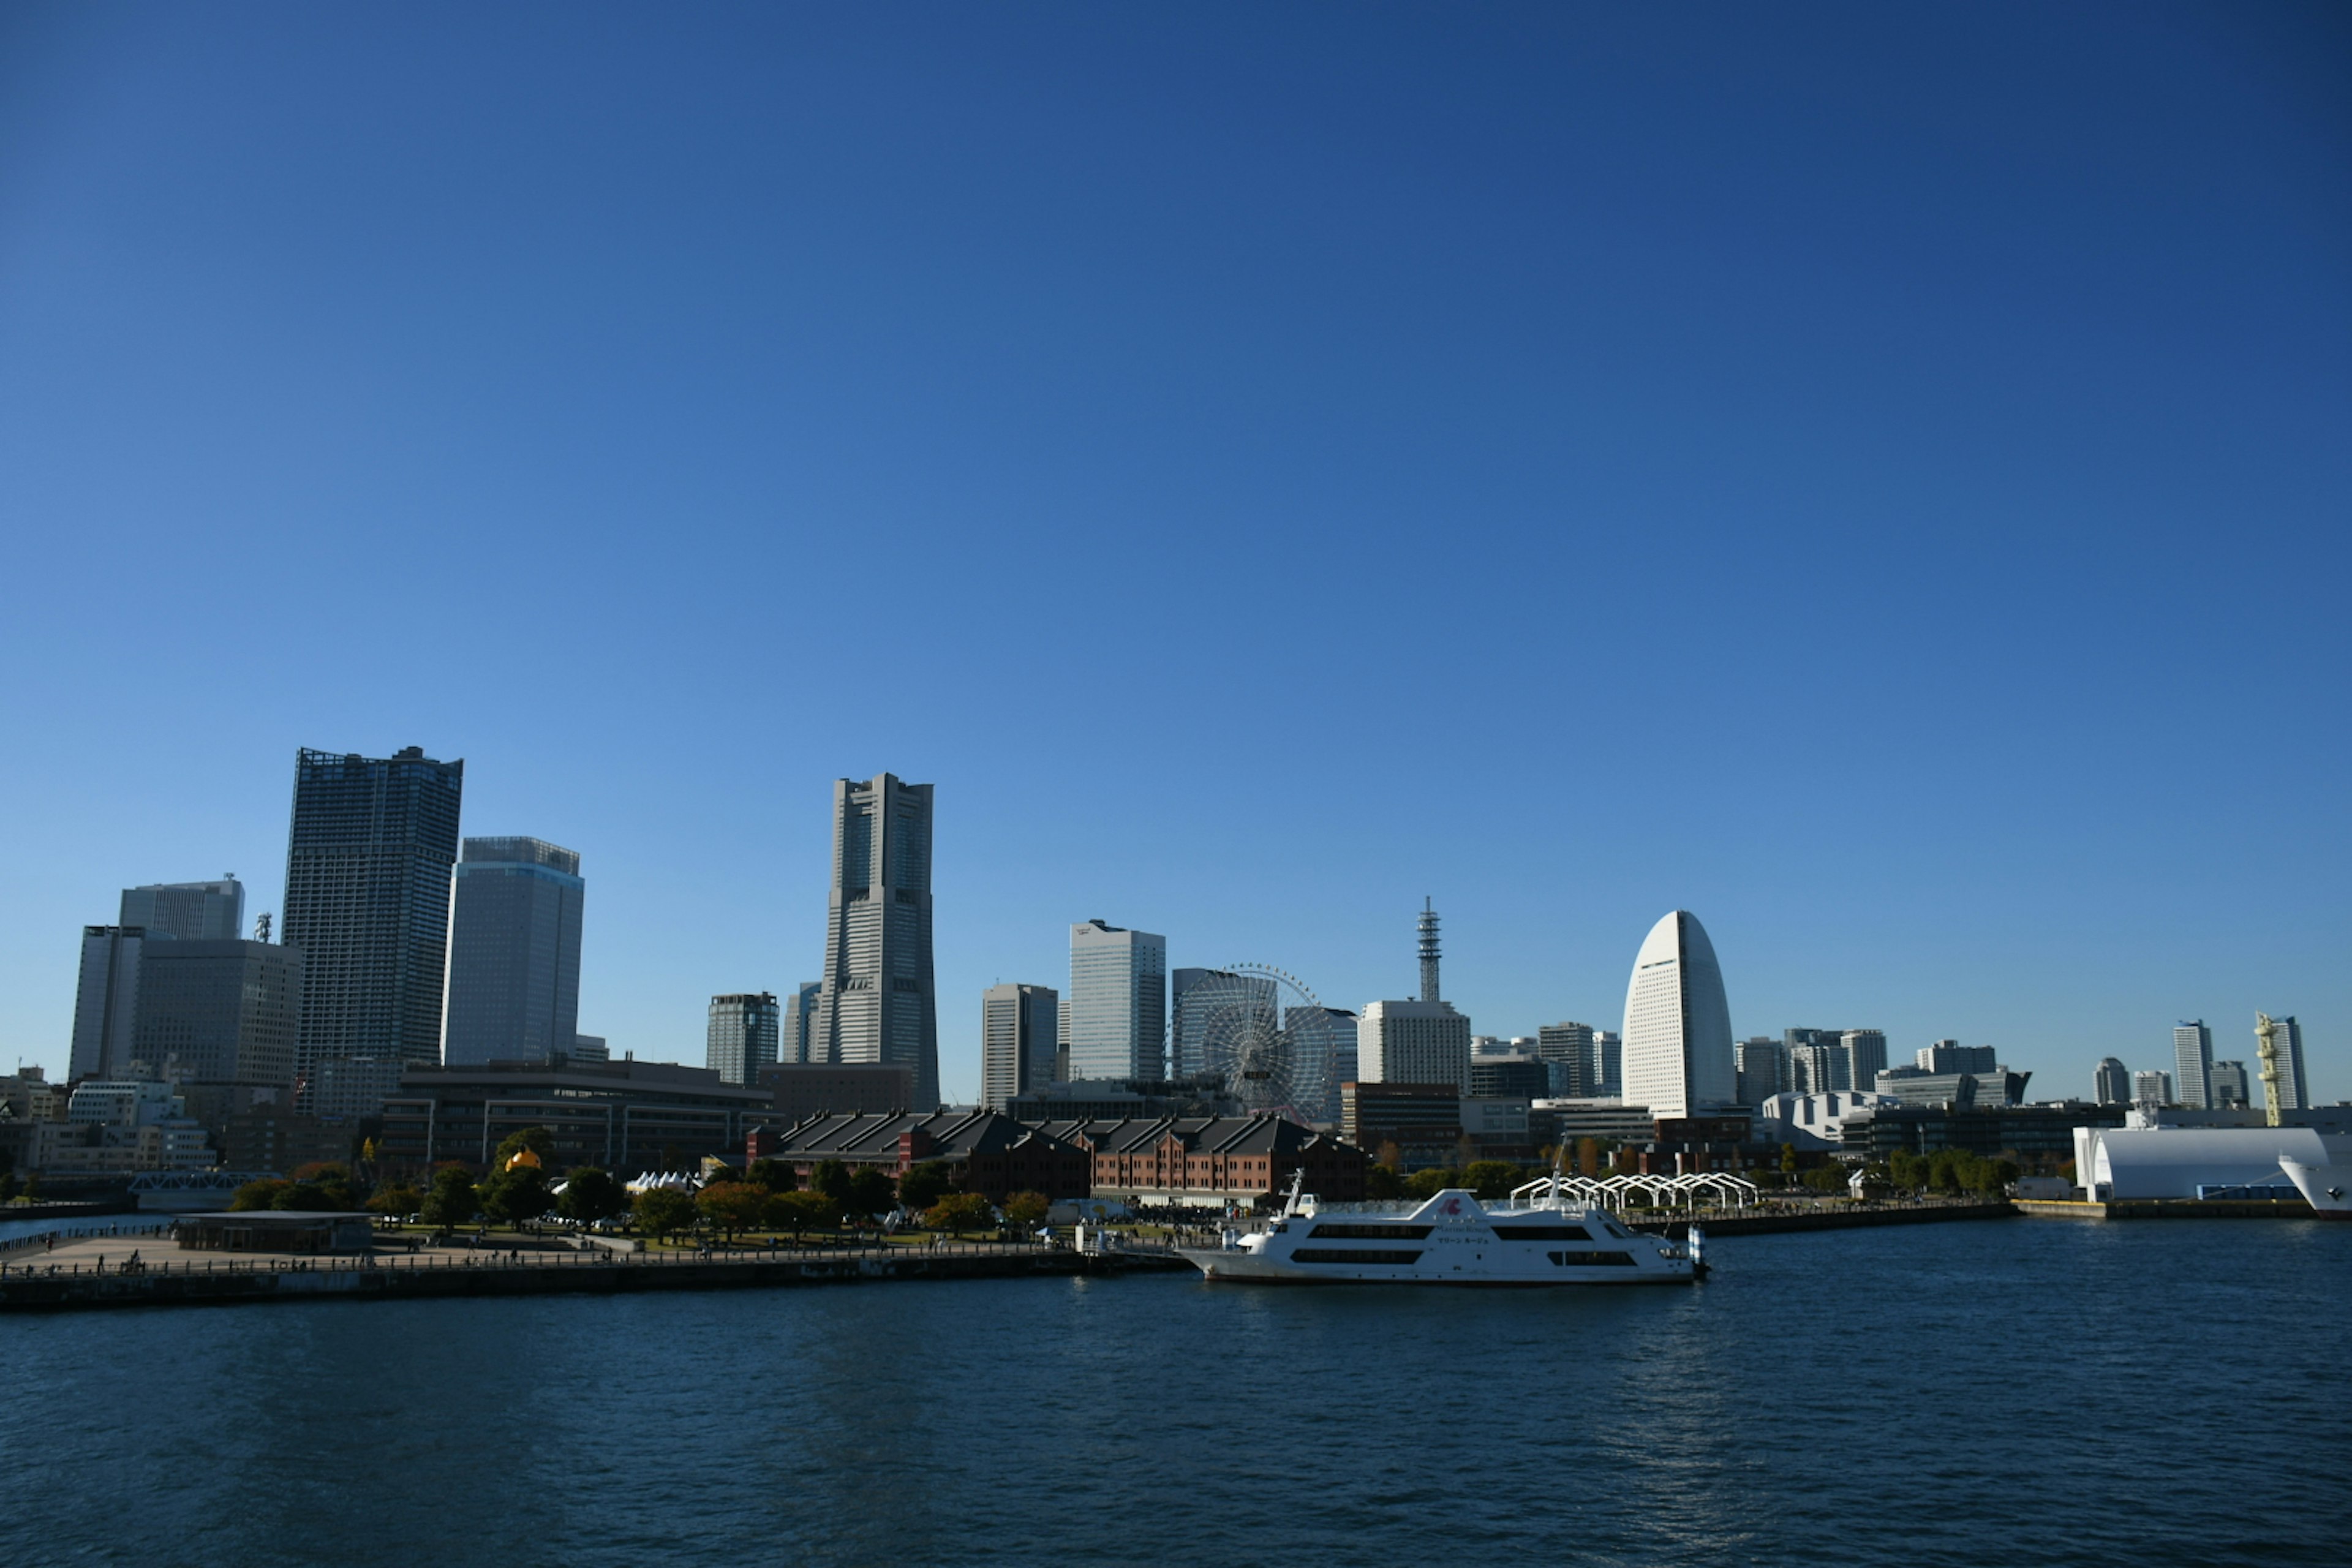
(188,911)
(368,866)
(1118,1002)
(2192,1063)
(875,1002)
(1677,1052)
(1020,1029)
(743,1035)
(220,1012)
(514,952)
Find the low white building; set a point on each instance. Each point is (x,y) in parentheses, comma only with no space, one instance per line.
(2122,1162)
(1813,1121)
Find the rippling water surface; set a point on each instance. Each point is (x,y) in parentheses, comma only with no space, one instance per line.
(2013,1392)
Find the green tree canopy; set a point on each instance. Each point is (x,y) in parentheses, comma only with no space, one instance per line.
(1491,1178)
(516,1194)
(924,1184)
(257,1194)
(732,1206)
(661,1210)
(1429,1184)
(590,1194)
(773,1176)
(960,1211)
(450,1200)
(8,1186)
(1382,1182)
(830,1177)
(870,1190)
(800,1211)
(397,1198)
(1027,1210)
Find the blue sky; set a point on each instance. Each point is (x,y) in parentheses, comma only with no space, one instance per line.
(1876,477)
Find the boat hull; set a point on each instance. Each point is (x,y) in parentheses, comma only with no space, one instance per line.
(1222,1267)
(2327,1188)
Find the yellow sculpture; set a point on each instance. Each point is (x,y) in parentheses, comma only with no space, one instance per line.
(523,1157)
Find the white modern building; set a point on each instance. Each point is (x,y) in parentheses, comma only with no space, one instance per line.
(1412,1042)
(1677,1051)
(1118,1002)
(2111,1084)
(2152,1086)
(2192,1063)
(2120,1163)
(1813,1121)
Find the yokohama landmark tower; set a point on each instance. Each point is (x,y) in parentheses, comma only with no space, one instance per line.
(875,1002)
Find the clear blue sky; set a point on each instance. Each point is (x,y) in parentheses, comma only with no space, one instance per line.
(1874,476)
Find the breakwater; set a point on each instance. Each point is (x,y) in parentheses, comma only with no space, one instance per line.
(2165,1208)
(215,1280)
(1776,1221)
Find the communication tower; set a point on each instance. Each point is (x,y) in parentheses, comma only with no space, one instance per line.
(1428,953)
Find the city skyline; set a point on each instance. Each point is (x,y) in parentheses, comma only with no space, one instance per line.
(1703,393)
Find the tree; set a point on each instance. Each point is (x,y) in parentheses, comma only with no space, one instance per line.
(959,1211)
(398,1198)
(1026,1210)
(925,1184)
(771,1175)
(329,1186)
(257,1194)
(1828,1178)
(661,1210)
(451,1199)
(830,1177)
(1588,1156)
(800,1211)
(732,1206)
(309,1197)
(1429,1184)
(590,1194)
(1491,1178)
(870,1190)
(514,1192)
(8,1186)
(1906,1170)
(33,1188)
(1382,1182)
(1788,1158)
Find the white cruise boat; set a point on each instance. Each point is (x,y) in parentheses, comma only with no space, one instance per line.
(1449,1239)
(2324,1186)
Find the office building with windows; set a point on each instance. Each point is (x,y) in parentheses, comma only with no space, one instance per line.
(2231,1085)
(2111,1083)
(514,952)
(1950,1056)
(1336,1026)
(2153,1088)
(1864,1051)
(1573,1049)
(875,1001)
(1826,1066)
(1678,1056)
(1118,1002)
(1761,1063)
(368,866)
(1413,1042)
(2294,1088)
(2192,1063)
(800,1023)
(106,1000)
(219,1012)
(187,911)
(589,1048)
(742,1037)
(1019,1031)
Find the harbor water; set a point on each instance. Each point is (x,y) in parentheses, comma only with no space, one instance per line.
(2014,1392)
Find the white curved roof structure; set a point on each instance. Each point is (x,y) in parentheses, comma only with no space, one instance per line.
(2174,1161)
(1677,1039)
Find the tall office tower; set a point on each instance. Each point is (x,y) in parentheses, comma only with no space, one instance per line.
(1812,1069)
(2152,1088)
(106,1003)
(589,1048)
(800,1023)
(1761,1063)
(1412,1042)
(2294,1089)
(1950,1056)
(2112,1084)
(1335,1026)
(514,952)
(367,900)
(2192,1062)
(187,911)
(1571,1048)
(1062,1046)
(1018,1026)
(1831,1071)
(1119,1002)
(1429,992)
(742,1036)
(1609,1050)
(219,1012)
(1864,1051)
(875,1002)
(2231,1084)
(1678,1059)
(1206,1003)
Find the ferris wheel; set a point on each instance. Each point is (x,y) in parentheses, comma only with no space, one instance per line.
(1264,1037)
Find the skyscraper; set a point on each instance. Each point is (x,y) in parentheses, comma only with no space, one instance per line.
(1761,1063)
(1413,1042)
(514,952)
(1574,1049)
(1678,1058)
(367,900)
(219,1012)
(1019,1025)
(1818,1057)
(875,1002)
(187,911)
(741,1036)
(2152,1088)
(2231,1084)
(1118,1002)
(1865,1056)
(2192,1063)
(1609,1050)
(2112,1084)
(800,1023)
(106,1002)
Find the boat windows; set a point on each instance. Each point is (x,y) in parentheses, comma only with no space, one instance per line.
(1592,1260)
(1356,1254)
(1370,1232)
(1542,1233)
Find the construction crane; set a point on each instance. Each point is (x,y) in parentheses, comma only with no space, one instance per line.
(2267,1033)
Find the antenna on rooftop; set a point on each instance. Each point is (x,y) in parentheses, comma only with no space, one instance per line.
(1428,952)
